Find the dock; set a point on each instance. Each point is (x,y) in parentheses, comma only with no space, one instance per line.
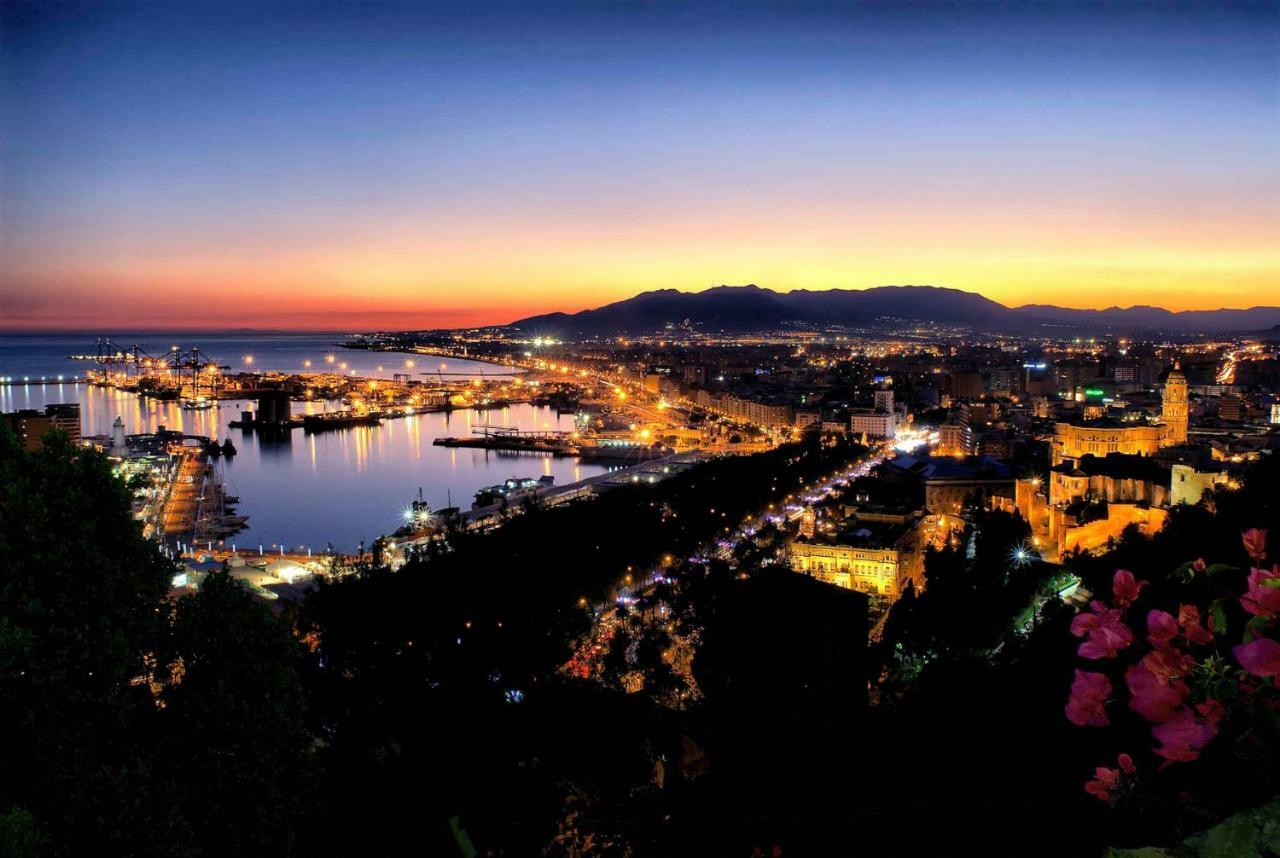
(13,381)
(508,438)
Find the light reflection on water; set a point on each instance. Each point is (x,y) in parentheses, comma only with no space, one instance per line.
(336,487)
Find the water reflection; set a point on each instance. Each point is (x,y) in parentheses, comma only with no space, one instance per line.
(331,487)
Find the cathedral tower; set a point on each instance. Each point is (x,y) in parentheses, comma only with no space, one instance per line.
(1175,406)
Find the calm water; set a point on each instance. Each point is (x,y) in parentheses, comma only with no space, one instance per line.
(337,487)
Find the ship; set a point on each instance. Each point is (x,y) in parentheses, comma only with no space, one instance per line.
(512,491)
(200,404)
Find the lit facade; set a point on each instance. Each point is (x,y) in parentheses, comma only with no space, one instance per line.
(1073,441)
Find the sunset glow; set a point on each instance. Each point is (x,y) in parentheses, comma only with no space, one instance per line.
(464,168)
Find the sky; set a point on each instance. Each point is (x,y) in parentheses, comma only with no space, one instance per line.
(361,165)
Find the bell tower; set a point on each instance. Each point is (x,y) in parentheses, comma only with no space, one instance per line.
(1174,411)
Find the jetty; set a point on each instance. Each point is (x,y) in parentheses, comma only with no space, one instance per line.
(509,438)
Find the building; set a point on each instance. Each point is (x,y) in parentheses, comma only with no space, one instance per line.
(967,385)
(1174,411)
(1116,478)
(771,415)
(806,417)
(31,426)
(873,424)
(945,485)
(873,557)
(1188,485)
(880,421)
(1107,436)
(1233,409)
(954,439)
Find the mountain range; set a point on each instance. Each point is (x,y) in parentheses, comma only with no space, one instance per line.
(738,309)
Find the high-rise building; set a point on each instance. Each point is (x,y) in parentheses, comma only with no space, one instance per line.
(884,402)
(31,426)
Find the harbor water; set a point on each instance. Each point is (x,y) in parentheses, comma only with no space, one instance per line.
(338,487)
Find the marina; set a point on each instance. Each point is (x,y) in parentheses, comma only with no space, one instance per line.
(308,490)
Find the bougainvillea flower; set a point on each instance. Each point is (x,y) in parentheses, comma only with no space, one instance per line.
(1089,692)
(1125,589)
(1192,630)
(1126,764)
(1167,664)
(1262,599)
(1198,564)
(1161,628)
(1153,695)
(1261,656)
(1104,781)
(1211,711)
(1255,543)
(1107,635)
(1182,736)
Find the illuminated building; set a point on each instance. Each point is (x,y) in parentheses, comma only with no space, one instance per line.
(1072,441)
(871,557)
(881,421)
(31,426)
(1175,413)
(1189,484)
(946,484)
(954,439)
(873,424)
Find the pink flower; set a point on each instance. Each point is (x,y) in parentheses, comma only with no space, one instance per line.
(1192,630)
(1104,781)
(1182,736)
(1263,596)
(1261,656)
(1155,692)
(1125,589)
(1167,664)
(1089,692)
(1198,564)
(1107,634)
(1255,543)
(1211,711)
(1161,628)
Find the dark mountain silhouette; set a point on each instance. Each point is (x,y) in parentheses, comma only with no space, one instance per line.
(751,308)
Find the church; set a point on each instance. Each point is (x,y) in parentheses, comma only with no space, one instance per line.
(1072,441)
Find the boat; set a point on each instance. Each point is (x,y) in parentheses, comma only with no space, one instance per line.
(339,420)
(512,490)
(200,404)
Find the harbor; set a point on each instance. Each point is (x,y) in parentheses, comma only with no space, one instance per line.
(375,425)
(302,491)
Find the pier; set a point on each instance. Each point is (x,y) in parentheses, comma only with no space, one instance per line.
(11,381)
(508,438)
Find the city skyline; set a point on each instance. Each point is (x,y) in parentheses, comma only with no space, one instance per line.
(402,168)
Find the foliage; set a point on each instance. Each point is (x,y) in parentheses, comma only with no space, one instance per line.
(92,762)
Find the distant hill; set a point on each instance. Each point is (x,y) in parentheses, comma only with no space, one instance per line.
(736,309)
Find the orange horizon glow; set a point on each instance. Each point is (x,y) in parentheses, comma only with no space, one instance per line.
(471,273)
(425,175)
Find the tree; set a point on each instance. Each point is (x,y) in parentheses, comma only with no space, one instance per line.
(81,604)
(234,721)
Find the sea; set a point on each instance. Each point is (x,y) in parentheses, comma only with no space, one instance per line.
(336,488)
